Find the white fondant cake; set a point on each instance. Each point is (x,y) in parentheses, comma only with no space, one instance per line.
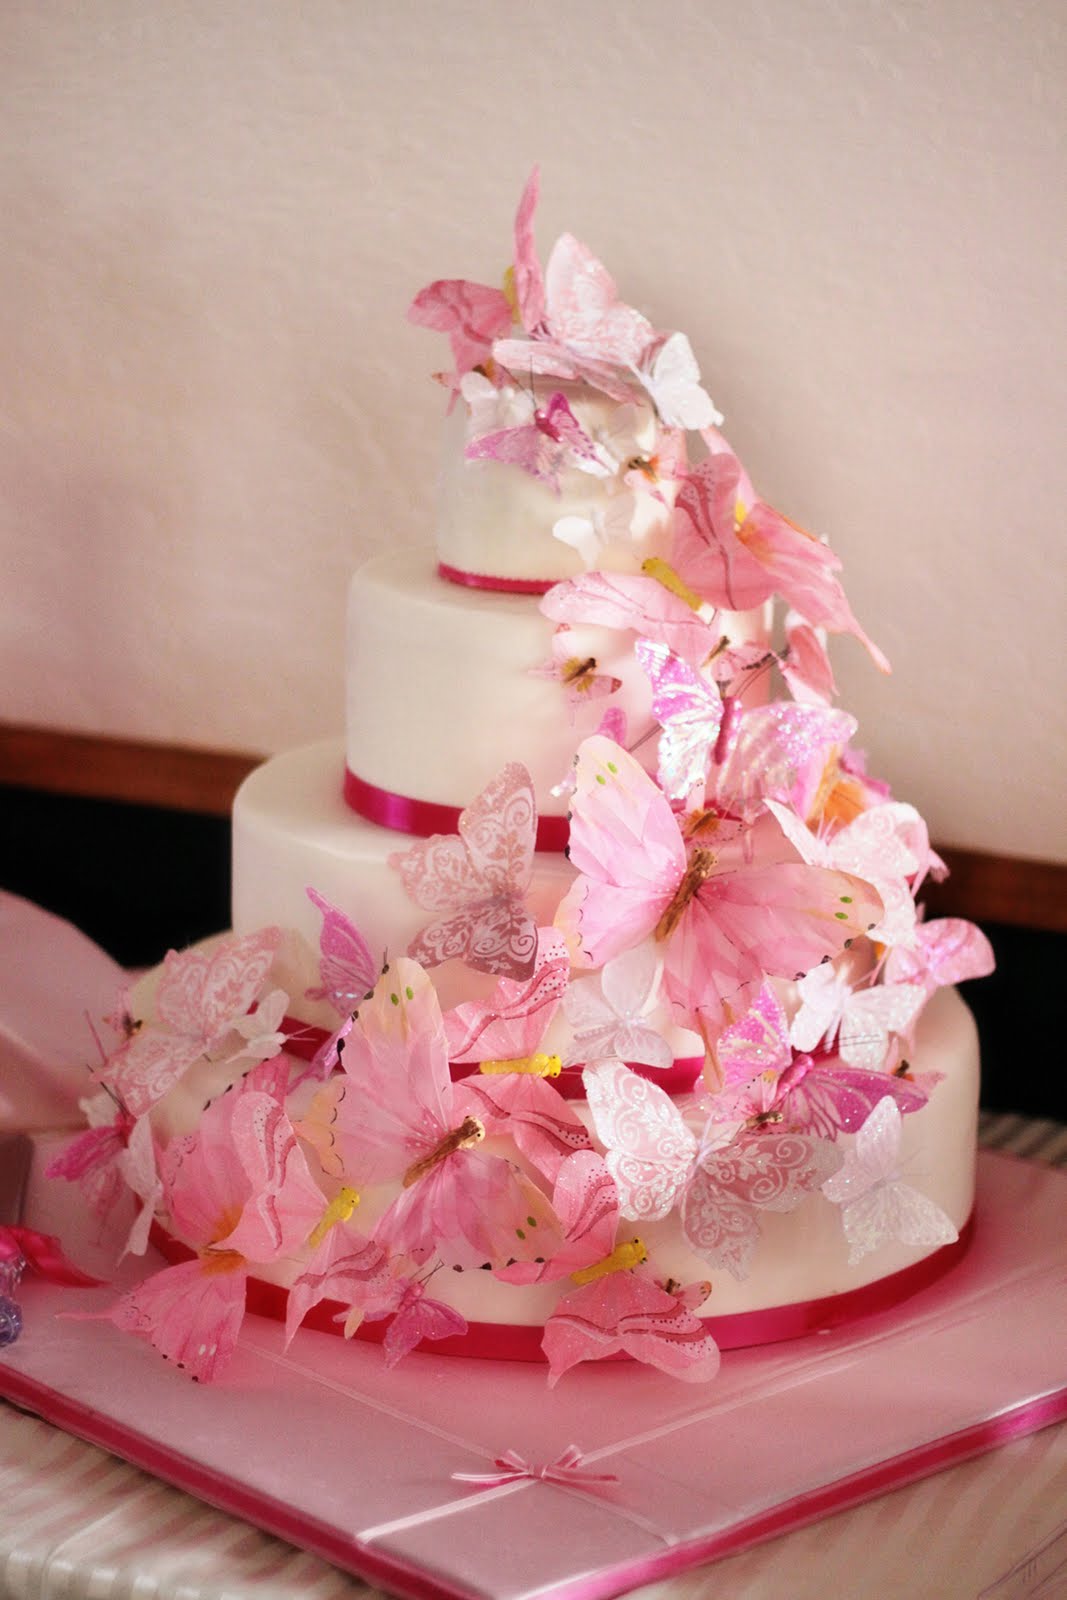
(582,992)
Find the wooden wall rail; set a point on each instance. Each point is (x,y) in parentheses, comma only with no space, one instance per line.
(172,776)
(986,888)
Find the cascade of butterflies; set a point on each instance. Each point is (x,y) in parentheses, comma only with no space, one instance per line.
(756,887)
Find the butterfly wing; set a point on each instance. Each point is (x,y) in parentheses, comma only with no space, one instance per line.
(512,1022)
(346,966)
(756,1172)
(650,1151)
(706,550)
(689,710)
(472,314)
(947,950)
(529,1111)
(202,993)
(626,846)
(418,1318)
(529,280)
(871,1016)
(636,602)
(345,1267)
(775,746)
(830,1098)
(191,1313)
(673,380)
(628,1312)
(471,1210)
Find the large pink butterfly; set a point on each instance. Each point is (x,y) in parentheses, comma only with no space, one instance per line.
(741,756)
(394,1112)
(738,556)
(629,1312)
(947,950)
(239,1192)
(584,331)
(203,995)
(659,1163)
(553,440)
(766,1081)
(477,881)
(723,918)
(347,968)
(632,601)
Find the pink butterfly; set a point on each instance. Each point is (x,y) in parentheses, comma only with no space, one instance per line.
(636,602)
(740,755)
(585,332)
(346,966)
(947,950)
(877,1206)
(577,673)
(766,1081)
(472,314)
(92,1159)
(349,1268)
(629,1312)
(722,919)
(738,557)
(512,1022)
(659,1163)
(203,995)
(805,665)
(529,1111)
(238,1191)
(886,844)
(586,1202)
(416,1318)
(477,881)
(609,1012)
(394,1112)
(553,440)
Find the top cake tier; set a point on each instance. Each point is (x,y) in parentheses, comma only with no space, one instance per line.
(522,508)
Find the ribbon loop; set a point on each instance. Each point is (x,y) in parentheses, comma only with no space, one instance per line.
(567,1469)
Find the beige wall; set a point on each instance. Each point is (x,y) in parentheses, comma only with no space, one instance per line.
(215,212)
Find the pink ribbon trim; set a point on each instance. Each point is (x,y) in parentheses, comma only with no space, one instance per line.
(426,817)
(486,580)
(566,1469)
(502,1341)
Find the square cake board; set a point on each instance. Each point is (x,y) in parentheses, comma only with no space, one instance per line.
(325,1447)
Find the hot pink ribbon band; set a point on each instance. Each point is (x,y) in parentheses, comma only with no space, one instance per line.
(486,580)
(499,1341)
(425,817)
(305,1041)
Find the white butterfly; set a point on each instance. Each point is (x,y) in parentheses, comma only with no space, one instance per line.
(673,381)
(608,1010)
(720,1188)
(876,1204)
(857,1022)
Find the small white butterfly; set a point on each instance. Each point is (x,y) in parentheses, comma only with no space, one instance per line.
(857,1022)
(673,381)
(876,1204)
(609,1011)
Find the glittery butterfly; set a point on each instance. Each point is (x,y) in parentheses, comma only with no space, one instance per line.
(551,441)
(947,950)
(877,1206)
(856,1022)
(346,966)
(476,882)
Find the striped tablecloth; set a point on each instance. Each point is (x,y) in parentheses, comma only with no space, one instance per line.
(77,1524)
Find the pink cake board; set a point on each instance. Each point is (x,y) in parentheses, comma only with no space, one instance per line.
(326,1448)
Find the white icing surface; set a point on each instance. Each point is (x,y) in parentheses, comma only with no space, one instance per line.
(440,693)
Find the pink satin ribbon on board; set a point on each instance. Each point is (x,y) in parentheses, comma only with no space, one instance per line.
(426,817)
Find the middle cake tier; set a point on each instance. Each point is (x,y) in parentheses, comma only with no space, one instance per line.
(444,687)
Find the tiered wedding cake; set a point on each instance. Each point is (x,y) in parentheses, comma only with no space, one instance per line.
(582,1002)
